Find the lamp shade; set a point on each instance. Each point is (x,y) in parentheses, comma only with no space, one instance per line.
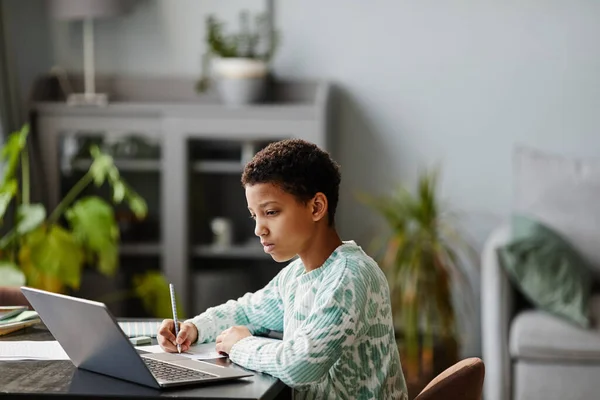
(82,9)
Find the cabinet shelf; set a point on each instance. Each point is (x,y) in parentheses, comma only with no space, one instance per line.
(184,154)
(219,167)
(235,252)
(123,165)
(140,249)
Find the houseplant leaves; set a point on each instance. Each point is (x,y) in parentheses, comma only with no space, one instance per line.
(49,251)
(93,223)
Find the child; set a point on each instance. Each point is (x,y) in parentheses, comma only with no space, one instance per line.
(332,303)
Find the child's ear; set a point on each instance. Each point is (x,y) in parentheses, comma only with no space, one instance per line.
(319,206)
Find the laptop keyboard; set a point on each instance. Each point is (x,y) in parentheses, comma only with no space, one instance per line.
(173,373)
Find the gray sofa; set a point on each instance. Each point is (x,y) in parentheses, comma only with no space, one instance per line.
(528,353)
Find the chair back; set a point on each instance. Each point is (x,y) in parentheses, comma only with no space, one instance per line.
(461,381)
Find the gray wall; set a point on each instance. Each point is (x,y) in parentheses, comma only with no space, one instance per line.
(422,82)
(30,51)
(158,37)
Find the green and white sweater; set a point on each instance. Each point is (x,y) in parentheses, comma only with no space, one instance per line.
(338,340)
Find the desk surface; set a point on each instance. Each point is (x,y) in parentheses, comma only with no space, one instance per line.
(35,378)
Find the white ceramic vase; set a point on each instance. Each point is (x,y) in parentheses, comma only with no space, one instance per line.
(240,81)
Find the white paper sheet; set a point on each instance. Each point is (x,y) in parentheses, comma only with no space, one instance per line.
(31,350)
(204,351)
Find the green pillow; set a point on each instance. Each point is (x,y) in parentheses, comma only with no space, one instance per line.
(547,270)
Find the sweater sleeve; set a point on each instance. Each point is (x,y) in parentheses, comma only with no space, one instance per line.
(306,356)
(260,311)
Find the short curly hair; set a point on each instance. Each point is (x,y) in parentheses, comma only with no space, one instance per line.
(300,168)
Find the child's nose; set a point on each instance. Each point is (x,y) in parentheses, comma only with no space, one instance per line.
(260,229)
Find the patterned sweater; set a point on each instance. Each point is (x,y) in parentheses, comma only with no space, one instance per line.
(338,338)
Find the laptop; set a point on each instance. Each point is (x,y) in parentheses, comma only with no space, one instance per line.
(93,340)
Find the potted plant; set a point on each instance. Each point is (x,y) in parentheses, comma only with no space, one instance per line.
(422,256)
(49,250)
(239,61)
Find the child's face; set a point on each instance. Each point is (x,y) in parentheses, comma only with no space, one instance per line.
(283,224)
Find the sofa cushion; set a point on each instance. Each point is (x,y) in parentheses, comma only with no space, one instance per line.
(535,380)
(538,335)
(562,193)
(547,270)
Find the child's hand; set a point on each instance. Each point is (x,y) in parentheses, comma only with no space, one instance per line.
(188,334)
(231,336)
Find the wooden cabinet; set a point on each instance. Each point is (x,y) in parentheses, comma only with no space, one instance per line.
(184,154)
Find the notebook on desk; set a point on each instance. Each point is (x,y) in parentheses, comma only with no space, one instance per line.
(140,328)
(93,340)
(7,312)
(16,318)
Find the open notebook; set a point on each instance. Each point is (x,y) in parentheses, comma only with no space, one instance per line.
(140,328)
(150,328)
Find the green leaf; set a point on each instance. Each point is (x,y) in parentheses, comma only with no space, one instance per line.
(113,174)
(57,253)
(11,275)
(15,143)
(11,152)
(101,167)
(29,217)
(153,290)
(7,192)
(93,222)
(137,205)
(118,192)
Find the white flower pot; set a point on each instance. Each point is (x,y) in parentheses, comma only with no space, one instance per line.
(239,68)
(240,81)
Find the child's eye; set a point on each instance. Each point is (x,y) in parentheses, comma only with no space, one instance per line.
(271,213)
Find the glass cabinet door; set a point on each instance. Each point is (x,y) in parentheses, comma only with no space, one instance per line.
(137,156)
(227,259)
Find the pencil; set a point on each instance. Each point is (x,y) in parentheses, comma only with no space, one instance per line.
(174,307)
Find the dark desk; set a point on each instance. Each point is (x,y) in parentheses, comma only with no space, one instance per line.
(32,379)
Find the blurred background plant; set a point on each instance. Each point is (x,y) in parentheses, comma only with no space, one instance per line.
(49,250)
(423,256)
(258,44)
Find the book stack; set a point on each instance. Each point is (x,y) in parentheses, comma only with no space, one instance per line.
(13,318)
